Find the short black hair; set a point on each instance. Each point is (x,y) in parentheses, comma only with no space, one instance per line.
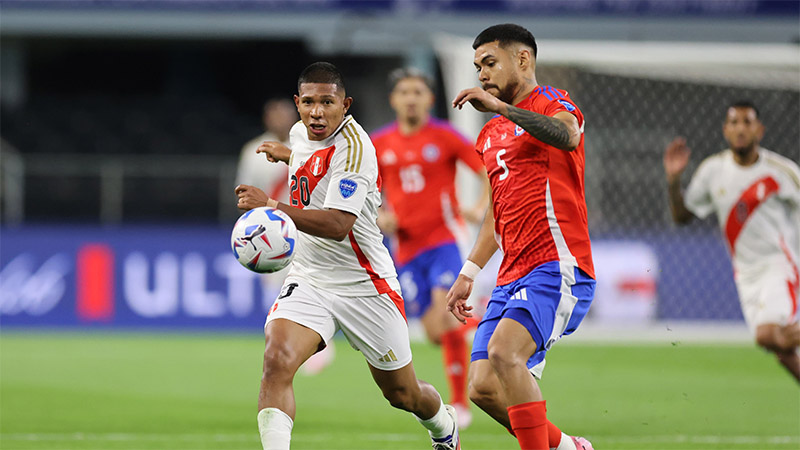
(745,104)
(321,72)
(402,73)
(506,33)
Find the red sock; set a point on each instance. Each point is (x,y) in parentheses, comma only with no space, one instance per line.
(553,435)
(529,422)
(454,352)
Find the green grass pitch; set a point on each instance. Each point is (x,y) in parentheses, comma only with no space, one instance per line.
(171,391)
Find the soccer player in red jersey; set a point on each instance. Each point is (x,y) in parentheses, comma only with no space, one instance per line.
(534,156)
(417,158)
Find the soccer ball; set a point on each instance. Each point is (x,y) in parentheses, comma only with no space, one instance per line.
(263,240)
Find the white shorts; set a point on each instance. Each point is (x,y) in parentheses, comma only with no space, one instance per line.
(373,325)
(768,295)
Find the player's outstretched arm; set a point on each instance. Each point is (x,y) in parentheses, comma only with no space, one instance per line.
(562,130)
(325,223)
(485,246)
(676,158)
(477,211)
(275,151)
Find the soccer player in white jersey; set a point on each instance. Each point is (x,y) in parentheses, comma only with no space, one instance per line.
(756,196)
(342,276)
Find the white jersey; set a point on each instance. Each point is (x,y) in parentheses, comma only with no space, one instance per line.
(758,207)
(255,170)
(340,172)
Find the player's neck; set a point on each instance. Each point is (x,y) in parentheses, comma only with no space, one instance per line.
(409,127)
(524,91)
(746,159)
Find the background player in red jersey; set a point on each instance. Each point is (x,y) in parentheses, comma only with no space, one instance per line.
(534,156)
(417,158)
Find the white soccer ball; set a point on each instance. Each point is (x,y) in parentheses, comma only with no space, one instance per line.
(263,240)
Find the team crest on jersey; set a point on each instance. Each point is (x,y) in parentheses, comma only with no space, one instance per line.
(430,153)
(347,187)
(389,157)
(570,107)
(518,130)
(316,166)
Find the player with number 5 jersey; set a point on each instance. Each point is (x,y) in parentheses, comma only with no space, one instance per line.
(533,150)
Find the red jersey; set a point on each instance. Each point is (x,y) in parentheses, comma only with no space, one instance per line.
(537,191)
(418,173)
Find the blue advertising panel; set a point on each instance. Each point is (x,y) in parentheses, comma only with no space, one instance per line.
(186,277)
(127,277)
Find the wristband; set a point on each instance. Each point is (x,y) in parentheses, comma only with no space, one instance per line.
(272,203)
(470,269)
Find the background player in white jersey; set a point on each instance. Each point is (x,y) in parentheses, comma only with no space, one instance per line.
(756,196)
(342,276)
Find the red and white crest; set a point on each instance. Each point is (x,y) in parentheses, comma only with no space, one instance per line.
(316,166)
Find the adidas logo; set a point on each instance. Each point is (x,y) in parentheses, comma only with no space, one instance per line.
(389,357)
(522,294)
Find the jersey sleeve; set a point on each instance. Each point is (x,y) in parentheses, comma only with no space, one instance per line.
(697,197)
(791,186)
(465,151)
(353,171)
(559,101)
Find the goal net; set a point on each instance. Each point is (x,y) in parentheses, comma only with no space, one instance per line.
(636,97)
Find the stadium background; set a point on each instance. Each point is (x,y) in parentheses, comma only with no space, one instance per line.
(121,123)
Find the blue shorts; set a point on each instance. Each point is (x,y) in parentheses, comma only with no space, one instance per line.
(550,301)
(434,268)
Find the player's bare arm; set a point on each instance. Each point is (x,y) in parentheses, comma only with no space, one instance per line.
(275,151)
(485,246)
(676,158)
(476,213)
(325,223)
(387,221)
(562,130)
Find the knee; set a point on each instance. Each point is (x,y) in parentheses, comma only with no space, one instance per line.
(767,338)
(434,336)
(482,394)
(279,361)
(502,359)
(401,398)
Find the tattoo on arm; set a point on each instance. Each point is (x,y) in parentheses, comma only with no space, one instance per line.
(545,128)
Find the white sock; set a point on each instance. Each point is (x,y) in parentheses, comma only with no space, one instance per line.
(275,428)
(566,443)
(440,425)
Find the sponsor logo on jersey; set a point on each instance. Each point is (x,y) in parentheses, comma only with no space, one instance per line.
(570,107)
(347,187)
(430,153)
(518,130)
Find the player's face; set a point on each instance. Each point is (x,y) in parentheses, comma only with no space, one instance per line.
(497,70)
(280,116)
(411,99)
(322,107)
(742,130)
